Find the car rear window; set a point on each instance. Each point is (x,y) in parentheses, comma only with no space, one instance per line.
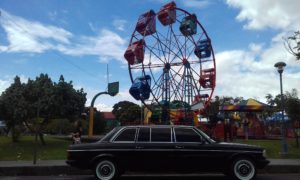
(186,135)
(161,135)
(127,135)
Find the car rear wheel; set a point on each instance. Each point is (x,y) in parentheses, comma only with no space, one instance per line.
(243,169)
(106,170)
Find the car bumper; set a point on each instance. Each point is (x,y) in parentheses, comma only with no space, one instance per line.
(262,163)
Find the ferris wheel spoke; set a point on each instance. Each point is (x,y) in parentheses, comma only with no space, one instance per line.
(198,75)
(167,39)
(192,47)
(160,46)
(154,54)
(196,89)
(170,49)
(176,89)
(156,81)
(179,46)
(177,43)
(178,81)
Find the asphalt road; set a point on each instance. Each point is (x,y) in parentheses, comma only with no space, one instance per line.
(156,177)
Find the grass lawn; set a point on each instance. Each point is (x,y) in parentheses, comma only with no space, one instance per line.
(55,149)
(273,147)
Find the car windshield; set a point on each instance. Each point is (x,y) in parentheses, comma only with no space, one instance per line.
(109,135)
(205,136)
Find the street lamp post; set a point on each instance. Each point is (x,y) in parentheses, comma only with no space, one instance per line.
(280,67)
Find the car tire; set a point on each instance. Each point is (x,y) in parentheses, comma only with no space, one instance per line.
(243,169)
(106,169)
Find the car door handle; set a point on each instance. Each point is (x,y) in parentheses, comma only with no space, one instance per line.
(179,147)
(139,147)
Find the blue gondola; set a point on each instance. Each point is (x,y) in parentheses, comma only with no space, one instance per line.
(188,25)
(141,88)
(203,48)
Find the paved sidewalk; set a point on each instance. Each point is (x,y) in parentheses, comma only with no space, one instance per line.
(59,167)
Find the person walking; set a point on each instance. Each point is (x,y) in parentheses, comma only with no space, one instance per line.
(246,127)
(76,135)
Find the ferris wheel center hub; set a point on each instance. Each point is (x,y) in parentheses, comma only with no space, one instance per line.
(167,66)
(186,63)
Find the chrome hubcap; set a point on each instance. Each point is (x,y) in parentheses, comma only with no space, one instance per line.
(105,170)
(244,169)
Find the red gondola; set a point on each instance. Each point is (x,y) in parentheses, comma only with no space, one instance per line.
(207,79)
(135,52)
(167,14)
(146,23)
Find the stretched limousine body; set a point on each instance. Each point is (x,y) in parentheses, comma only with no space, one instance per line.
(165,148)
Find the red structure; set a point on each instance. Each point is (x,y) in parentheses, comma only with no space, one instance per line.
(146,23)
(135,52)
(207,78)
(167,14)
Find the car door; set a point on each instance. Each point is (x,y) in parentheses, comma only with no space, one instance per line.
(192,151)
(123,147)
(154,148)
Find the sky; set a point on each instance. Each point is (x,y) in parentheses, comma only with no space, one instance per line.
(80,39)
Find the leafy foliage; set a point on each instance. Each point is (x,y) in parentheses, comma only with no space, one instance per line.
(291,107)
(127,112)
(38,101)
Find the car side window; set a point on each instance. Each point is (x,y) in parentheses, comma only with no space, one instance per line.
(187,135)
(144,135)
(160,134)
(128,135)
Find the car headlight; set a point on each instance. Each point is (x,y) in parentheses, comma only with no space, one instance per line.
(264,153)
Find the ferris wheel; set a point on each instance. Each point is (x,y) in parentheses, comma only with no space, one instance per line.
(171,61)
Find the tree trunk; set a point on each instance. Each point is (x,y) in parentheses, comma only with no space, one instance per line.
(29,127)
(41,135)
(15,134)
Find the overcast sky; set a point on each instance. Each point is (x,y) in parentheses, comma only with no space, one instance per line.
(79,38)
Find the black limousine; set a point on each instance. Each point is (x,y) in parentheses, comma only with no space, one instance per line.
(165,148)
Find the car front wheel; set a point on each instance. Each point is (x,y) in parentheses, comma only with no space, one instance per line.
(243,169)
(106,170)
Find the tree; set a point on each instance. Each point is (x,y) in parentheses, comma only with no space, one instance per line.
(12,111)
(293,109)
(38,101)
(126,111)
(292,44)
(291,104)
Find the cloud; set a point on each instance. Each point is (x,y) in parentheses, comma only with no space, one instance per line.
(106,45)
(251,73)
(195,3)
(34,37)
(30,36)
(119,24)
(274,14)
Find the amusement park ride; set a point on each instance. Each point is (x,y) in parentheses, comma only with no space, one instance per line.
(171,65)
